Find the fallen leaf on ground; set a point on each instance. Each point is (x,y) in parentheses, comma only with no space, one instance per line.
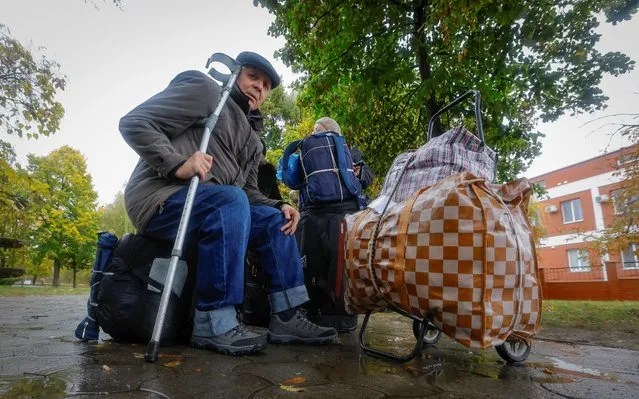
(548,371)
(106,368)
(138,356)
(296,380)
(174,363)
(291,388)
(169,355)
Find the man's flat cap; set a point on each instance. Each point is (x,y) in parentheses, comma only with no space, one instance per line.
(255,60)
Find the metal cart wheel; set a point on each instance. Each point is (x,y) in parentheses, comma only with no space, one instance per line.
(514,350)
(432,335)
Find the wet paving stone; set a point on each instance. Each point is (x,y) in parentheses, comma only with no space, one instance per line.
(40,358)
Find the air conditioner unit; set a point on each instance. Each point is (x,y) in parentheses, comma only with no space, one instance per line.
(602,198)
(551,209)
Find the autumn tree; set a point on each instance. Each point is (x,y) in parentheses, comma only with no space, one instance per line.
(382,69)
(113,217)
(68,223)
(622,235)
(279,110)
(29,83)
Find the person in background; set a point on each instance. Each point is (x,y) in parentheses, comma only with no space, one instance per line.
(329,191)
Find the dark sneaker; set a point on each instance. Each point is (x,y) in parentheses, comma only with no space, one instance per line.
(299,330)
(237,341)
(342,323)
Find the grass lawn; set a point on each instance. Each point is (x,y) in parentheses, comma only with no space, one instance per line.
(575,314)
(591,314)
(10,290)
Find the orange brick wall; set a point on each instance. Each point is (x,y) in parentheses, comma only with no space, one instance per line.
(592,167)
(554,222)
(557,256)
(608,208)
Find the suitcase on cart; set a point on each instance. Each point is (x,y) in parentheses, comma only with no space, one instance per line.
(452,251)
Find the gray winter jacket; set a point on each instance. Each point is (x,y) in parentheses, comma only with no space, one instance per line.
(164,132)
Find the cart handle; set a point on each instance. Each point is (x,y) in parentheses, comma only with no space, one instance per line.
(477,95)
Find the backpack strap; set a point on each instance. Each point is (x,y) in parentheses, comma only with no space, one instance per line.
(290,149)
(348,178)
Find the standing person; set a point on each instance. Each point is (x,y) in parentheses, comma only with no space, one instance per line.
(229,213)
(364,173)
(329,191)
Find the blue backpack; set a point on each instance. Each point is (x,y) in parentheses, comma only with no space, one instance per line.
(88,329)
(324,172)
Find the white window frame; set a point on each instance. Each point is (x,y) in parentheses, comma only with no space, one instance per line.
(581,256)
(628,158)
(572,210)
(634,262)
(619,207)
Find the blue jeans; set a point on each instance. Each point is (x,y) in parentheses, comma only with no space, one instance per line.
(224,224)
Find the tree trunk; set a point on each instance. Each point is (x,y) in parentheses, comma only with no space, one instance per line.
(75,271)
(33,280)
(56,273)
(420,46)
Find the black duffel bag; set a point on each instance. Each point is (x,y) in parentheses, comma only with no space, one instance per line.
(129,298)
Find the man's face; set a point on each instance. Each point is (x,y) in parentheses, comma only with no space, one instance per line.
(255,84)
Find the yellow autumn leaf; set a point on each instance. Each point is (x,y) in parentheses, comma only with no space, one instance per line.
(138,356)
(291,388)
(174,363)
(107,368)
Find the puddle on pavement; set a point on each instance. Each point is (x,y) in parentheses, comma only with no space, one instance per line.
(35,328)
(46,387)
(562,372)
(573,367)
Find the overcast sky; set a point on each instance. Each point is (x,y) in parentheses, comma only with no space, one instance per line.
(114,59)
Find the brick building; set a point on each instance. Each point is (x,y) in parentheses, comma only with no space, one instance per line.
(580,201)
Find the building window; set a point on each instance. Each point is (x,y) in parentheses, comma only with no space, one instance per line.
(623,205)
(578,260)
(627,158)
(571,211)
(629,256)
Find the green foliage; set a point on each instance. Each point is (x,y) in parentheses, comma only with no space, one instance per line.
(41,291)
(279,110)
(10,280)
(28,85)
(113,217)
(382,69)
(67,221)
(20,199)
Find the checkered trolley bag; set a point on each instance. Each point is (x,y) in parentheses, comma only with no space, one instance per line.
(461,250)
(456,255)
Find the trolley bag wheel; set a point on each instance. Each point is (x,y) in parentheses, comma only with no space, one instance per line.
(432,335)
(514,350)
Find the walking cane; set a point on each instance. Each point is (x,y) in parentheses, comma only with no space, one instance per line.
(154,345)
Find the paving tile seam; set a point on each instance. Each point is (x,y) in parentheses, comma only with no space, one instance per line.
(543,385)
(253,394)
(577,344)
